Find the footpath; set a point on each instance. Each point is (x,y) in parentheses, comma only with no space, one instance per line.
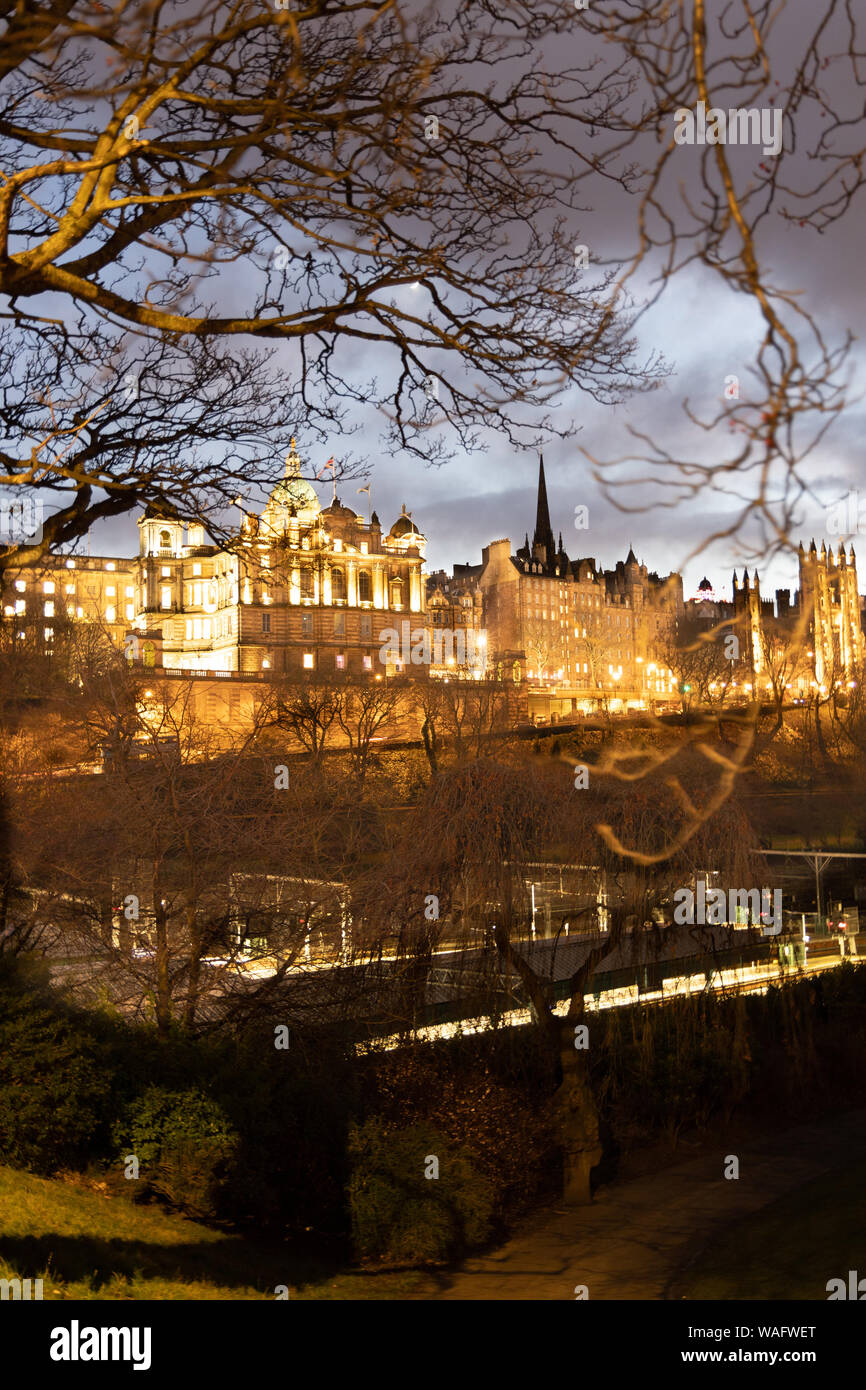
(638,1233)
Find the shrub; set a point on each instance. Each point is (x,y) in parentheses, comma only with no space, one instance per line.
(402,1216)
(184,1145)
(54,1086)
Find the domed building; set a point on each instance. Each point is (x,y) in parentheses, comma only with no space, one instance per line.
(305,588)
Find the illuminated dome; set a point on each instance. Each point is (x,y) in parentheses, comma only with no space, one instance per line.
(404,526)
(292,496)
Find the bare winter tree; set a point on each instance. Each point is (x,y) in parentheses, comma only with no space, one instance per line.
(468,849)
(181,183)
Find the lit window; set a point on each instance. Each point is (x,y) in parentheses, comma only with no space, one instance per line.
(188,629)
(49,608)
(20,585)
(130,591)
(111,591)
(70,588)
(368,663)
(364,548)
(266,665)
(308,661)
(48,586)
(20,606)
(338,544)
(130,612)
(196,594)
(70,564)
(111,565)
(9,611)
(196,629)
(341,661)
(49,633)
(196,569)
(165,597)
(79,612)
(110,615)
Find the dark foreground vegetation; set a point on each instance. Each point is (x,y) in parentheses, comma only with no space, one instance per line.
(313,1144)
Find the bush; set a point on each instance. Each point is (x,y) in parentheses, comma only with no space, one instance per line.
(401,1215)
(184,1145)
(54,1086)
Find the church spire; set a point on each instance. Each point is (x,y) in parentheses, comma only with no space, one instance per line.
(543,531)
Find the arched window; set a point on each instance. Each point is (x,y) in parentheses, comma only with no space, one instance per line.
(307,587)
(338,584)
(396,593)
(165,540)
(365,587)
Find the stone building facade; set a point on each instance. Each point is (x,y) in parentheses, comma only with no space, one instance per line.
(823,620)
(305,588)
(302,588)
(584,635)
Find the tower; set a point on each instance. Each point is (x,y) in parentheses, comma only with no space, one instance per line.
(543,545)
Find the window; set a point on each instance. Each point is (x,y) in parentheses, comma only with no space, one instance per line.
(196,595)
(165,571)
(111,565)
(49,634)
(20,585)
(130,591)
(341,661)
(70,589)
(364,548)
(308,661)
(366,624)
(396,594)
(70,564)
(110,592)
(266,622)
(79,612)
(48,586)
(110,615)
(205,629)
(307,587)
(338,585)
(368,663)
(165,597)
(307,624)
(339,624)
(365,587)
(338,545)
(196,629)
(49,609)
(196,569)
(20,605)
(130,612)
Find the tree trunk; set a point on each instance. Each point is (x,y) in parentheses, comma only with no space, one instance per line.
(578,1119)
